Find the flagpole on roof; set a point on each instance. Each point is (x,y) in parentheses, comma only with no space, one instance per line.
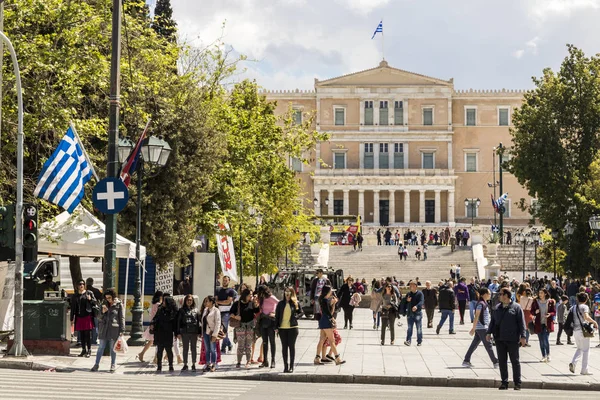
(85,154)
(382,41)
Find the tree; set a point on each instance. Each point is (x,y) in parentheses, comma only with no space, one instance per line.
(163,23)
(555,140)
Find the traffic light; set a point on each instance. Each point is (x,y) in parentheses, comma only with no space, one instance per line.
(30,232)
(7,233)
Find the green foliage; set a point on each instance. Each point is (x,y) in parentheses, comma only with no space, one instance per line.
(163,23)
(545,255)
(555,140)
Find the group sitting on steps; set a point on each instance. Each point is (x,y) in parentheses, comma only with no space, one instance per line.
(411,238)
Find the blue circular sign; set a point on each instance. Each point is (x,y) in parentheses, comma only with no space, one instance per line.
(110,196)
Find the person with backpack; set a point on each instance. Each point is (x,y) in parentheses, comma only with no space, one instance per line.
(578,319)
(480,325)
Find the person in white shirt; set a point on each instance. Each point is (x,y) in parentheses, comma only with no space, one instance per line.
(581,314)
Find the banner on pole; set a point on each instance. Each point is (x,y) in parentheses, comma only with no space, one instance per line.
(226,253)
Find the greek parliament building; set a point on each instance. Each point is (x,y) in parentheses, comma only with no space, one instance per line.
(405,148)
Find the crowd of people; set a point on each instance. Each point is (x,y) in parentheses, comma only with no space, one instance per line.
(413,238)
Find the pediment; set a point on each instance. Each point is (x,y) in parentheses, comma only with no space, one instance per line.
(383,75)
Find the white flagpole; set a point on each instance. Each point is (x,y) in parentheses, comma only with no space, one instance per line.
(84,152)
(382,42)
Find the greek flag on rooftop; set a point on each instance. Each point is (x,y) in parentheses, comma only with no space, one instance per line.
(379,29)
(65,173)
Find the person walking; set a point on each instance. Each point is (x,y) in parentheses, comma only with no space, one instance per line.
(268,304)
(508,327)
(447,304)
(111,326)
(345,295)
(425,249)
(414,305)
(543,311)
(286,323)
(188,329)
(211,325)
(431,302)
(462,295)
(581,315)
(525,301)
(244,310)
(480,325)
(327,324)
(561,318)
(89,284)
(225,297)
(359,240)
(389,309)
(164,327)
(83,306)
(376,304)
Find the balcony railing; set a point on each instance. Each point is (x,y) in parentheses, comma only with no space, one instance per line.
(384,172)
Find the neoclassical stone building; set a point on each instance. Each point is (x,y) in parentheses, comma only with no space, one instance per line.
(405,148)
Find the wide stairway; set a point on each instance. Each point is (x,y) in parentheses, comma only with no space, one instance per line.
(383,261)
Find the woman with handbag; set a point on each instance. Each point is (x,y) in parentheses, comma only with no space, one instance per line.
(286,324)
(211,327)
(543,311)
(83,308)
(164,326)
(111,327)
(389,310)
(268,304)
(242,321)
(327,323)
(525,301)
(582,332)
(188,330)
(149,337)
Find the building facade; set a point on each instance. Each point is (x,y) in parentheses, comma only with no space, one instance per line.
(405,149)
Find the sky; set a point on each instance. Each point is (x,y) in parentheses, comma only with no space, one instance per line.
(482,44)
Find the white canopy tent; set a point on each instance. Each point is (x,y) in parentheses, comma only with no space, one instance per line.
(81,234)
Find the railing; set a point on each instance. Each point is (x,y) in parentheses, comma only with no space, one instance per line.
(384,172)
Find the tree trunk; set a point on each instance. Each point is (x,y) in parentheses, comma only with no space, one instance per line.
(75,268)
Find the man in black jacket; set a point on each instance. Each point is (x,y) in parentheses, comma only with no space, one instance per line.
(431,302)
(447,302)
(508,328)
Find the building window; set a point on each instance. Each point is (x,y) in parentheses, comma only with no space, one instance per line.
(368,113)
(503,119)
(383,113)
(296,164)
(470,116)
(368,161)
(428,160)
(339,160)
(428,116)
(398,155)
(471,209)
(338,207)
(384,156)
(340,116)
(470,162)
(298,117)
(398,113)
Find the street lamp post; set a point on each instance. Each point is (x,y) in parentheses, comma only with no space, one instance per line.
(473,205)
(535,236)
(258,218)
(594,222)
(525,239)
(320,205)
(569,229)
(555,234)
(155,152)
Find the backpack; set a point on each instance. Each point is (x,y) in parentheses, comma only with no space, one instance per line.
(568,326)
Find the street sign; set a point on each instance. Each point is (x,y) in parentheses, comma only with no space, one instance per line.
(110,196)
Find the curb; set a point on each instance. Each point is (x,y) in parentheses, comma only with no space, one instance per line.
(31,366)
(426,381)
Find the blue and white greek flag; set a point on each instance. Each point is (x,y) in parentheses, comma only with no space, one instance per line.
(65,173)
(379,29)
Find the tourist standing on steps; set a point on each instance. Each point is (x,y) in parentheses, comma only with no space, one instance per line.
(447,302)
(479,330)
(379,237)
(425,246)
(286,324)
(389,309)
(414,305)
(508,327)
(111,327)
(457,272)
(345,295)
(431,302)
(462,295)
(189,329)
(376,304)
(327,325)
(465,237)
(581,315)
(359,240)
(543,311)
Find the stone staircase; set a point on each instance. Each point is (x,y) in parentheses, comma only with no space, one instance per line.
(510,257)
(383,261)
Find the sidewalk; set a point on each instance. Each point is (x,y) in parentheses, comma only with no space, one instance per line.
(436,363)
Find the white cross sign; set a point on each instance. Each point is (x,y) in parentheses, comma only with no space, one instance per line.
(110,196)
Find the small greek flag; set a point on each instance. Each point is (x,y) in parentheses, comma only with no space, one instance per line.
(65,173)
(379,29)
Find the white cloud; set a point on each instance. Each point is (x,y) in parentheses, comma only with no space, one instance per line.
(363,6)
(543,9)
(519,53)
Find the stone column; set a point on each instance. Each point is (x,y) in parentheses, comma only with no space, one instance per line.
(317,194)
(346,202)
(392,207)
(361,204)
(407,206)
(451,207)
(422,206)
(438,207)
(330,206)
(376,207)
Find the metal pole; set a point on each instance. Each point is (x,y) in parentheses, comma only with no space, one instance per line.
(137,330)
(286,258)
(494,182)
(524,248)
(1,64)
(256,260)
(18,349)
(241,257)
(554,258)
(501,192)
(535,258)
(112,169)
